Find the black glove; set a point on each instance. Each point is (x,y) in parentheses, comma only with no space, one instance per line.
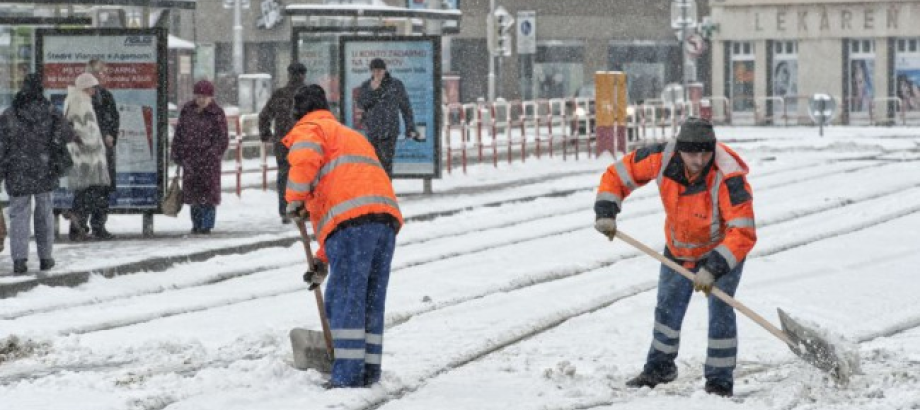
(317,274)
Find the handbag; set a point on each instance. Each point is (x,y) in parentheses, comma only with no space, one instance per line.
(59,159)
(172,201)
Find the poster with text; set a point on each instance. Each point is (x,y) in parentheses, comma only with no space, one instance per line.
(320,56)
(786,84)
(907,80)
(742,84)
(862,91)
(414,61)
(135,71)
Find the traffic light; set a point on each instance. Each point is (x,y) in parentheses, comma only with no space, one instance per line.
(504,23)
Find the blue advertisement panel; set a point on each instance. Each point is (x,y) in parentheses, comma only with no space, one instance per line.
(413,61)
(134,72)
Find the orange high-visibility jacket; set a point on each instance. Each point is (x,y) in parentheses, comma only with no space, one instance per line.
(337,175)
(711,219)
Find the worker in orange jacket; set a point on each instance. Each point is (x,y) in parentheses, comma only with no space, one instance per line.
(337,181)
(709,229)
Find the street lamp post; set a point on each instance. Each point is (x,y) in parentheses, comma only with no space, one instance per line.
(683,19)
(237,37)
(490,37)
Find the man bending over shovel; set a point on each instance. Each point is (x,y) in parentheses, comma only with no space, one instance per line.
(336,180)
(709,230)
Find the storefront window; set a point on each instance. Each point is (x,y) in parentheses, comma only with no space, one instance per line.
(559,69)
(862,71)
(742,76)
(646,66)
(907,73)
(785,74)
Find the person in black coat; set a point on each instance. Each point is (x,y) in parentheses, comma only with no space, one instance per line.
(29,131)
(383,98)
(109,122)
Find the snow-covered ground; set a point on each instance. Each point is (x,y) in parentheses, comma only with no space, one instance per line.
(511,299)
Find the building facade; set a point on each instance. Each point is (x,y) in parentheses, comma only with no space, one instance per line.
(574,39)
(770,56)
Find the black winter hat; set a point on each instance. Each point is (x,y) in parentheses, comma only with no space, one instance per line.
(378,63)
(297,68)
(696,135)
(308,99)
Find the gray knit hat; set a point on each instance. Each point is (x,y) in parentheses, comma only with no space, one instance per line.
(696,135)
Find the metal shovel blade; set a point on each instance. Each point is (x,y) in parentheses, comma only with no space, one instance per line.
(310,350)
(814,348)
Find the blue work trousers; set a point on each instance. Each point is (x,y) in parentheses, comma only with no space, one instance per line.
(359,269)
(674,293)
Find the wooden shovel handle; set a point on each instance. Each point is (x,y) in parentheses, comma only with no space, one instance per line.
(317,292)
(715,291)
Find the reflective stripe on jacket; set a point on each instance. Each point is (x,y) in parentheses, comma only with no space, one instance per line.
(335,171)
(711,218)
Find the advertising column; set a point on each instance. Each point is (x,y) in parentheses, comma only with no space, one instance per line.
(413,62)
(135,61)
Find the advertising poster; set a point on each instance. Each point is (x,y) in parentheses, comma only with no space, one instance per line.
(907,80)
(414,62)
(786,83)
(861,88)
(319,55)
(743,86)
(133,77)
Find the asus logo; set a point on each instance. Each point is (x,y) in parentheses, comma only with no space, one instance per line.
(138,40)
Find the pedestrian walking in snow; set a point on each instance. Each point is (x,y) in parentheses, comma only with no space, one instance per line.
(29,132)
(337,181)
(278,111)
(89,178)
(383,98)
(709,230)
(109,122)
(198,146)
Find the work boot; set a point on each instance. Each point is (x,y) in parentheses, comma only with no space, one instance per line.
(45,264)
(719,388)
(102,234)
(20,267)
(651,380)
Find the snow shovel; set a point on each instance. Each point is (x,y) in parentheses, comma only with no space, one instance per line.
(806,343)
(312,349)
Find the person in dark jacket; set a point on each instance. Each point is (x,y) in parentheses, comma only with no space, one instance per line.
(28,131)
(109,122)
(198,146)
(278,111)
(383,98)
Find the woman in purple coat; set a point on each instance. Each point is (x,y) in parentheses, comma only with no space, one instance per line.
(198,147)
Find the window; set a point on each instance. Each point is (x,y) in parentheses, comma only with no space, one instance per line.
(862,74)
(907,73)
(742,76)
(784,74)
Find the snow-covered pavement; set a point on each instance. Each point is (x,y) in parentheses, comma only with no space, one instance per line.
(515,304)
